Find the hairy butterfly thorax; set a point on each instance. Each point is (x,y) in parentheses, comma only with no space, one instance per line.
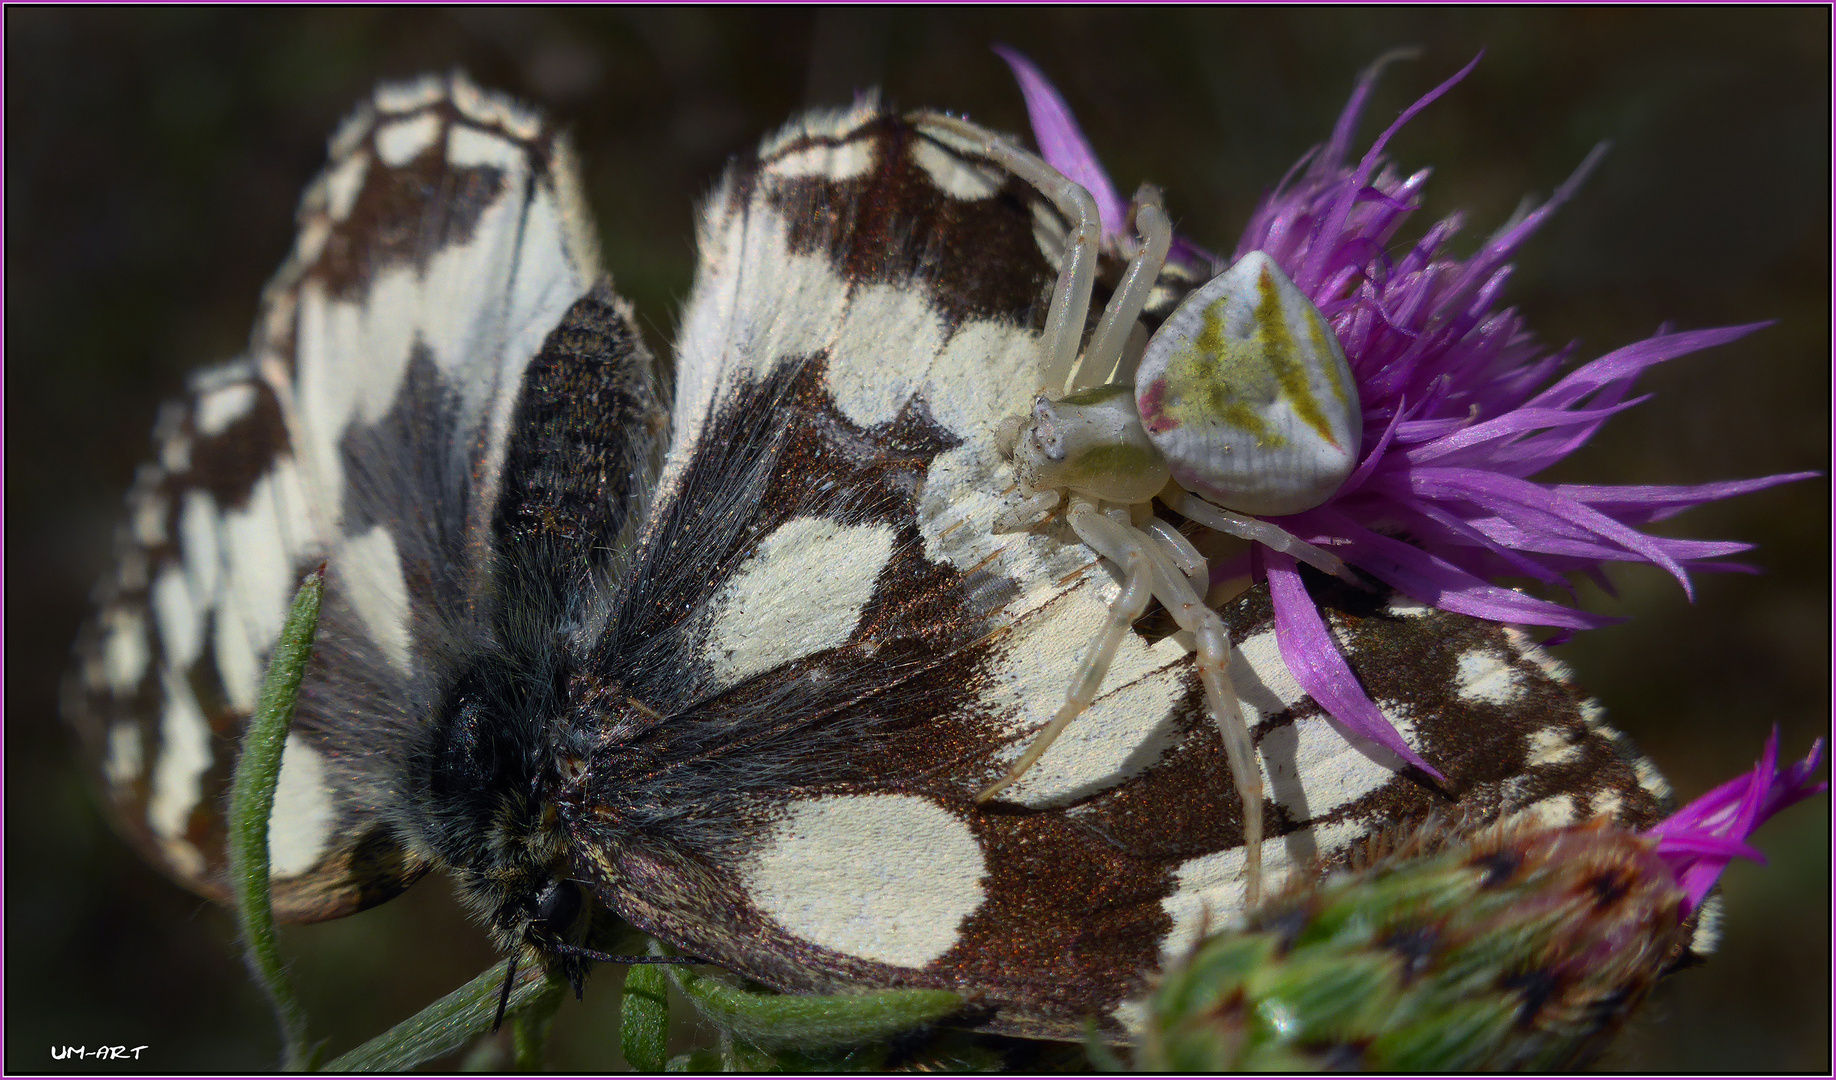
(723,645)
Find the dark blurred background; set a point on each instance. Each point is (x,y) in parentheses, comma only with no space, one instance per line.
(154,157)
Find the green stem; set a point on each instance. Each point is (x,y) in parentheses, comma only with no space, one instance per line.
(251,805)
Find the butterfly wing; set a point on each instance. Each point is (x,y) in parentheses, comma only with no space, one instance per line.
(365,428)
(822,652)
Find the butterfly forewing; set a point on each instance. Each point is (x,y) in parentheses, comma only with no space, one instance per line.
(839,653)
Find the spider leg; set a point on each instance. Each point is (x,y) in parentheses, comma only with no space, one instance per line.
(1178,548)
(1194,616)
(1266,533)
(1127,549)
(1064,328)
(1104,355)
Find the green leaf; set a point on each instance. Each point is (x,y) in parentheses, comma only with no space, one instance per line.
(454,1020)
(252,804)
(643,1020)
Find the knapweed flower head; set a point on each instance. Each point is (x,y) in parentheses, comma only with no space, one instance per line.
(1461,406)
(1700,840)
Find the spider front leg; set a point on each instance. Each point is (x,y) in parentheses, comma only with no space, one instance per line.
(1124,548)
(1064,328)
(1266,533)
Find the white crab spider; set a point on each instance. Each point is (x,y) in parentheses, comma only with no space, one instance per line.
(1249,404)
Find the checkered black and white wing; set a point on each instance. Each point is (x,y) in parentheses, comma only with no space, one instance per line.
(366,427)
(821,651)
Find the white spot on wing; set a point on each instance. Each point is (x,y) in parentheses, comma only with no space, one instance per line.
(467,147)
(1536,654)
(1313,769)
(125,654)
(1650,779)
(237,665)
(125,755)
(1486,677)
(344,183)
(184,754)
(844,162)
(485,107)
(260,586)
(197,530)
(888,878)
(1553,812)
(830,124)
(983,375)
(401,141)
(181,623)
(219,409)
(372,568)
(1264,684)
(1208,894)
(175,454)
(410,94)
(887,335)
(351,131)
(1550,746)
(310,243)
(1707,937)
(1132,1015)
(150,519)
(302,819)
(1124,731)
(801,592)
(955,176)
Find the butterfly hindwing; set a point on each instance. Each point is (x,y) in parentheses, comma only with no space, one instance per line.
(443,242)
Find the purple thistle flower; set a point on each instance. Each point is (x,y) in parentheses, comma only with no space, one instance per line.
(1700,840)
(1461,405)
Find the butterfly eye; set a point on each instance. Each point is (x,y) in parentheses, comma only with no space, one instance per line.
(557,908)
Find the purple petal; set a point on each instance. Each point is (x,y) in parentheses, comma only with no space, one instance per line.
(1500,493)
(1340,142)
(1338,215)
(1061,141)
(1310,654)
(1434,580)
(1688,840)
(1628,361)
(1512,423)
(1503,245)
(1655,502)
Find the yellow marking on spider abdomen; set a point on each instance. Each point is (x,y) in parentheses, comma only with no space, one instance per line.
(1216,380)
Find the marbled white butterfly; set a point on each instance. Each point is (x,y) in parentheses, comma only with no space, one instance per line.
(727,643)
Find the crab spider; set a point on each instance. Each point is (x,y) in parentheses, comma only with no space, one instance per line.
(1241,404)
